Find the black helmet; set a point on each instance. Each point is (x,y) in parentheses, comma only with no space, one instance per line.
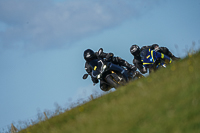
(135,50)
(88,55)
(155,47)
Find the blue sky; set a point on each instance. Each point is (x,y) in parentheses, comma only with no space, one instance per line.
(42,44)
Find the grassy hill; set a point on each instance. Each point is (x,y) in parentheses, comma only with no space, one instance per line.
(167,101)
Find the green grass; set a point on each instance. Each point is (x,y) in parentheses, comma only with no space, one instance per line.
(167,101)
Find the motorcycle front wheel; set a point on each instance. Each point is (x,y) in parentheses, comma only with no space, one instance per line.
(112,81)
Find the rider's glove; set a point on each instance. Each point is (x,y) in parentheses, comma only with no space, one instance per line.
(109,56)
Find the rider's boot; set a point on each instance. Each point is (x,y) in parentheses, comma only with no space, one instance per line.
(175,58)
(129,66)
(137,74)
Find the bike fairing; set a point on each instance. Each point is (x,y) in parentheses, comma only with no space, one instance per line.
(100,67)
(149,57)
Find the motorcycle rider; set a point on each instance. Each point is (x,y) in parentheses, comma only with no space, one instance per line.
(90,55)
(163,50)
(135,51)
(151,59)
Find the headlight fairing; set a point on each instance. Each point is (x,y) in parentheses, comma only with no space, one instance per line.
(102,70)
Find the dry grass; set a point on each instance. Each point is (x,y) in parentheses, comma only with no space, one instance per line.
(166,101)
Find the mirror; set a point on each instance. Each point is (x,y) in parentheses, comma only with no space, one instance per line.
(100,51)
(85,76)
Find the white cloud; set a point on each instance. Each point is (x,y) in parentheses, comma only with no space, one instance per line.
(43,24)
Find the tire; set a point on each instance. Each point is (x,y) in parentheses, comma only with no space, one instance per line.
(111,82)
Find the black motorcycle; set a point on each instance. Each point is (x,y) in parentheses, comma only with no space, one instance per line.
(114,75)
